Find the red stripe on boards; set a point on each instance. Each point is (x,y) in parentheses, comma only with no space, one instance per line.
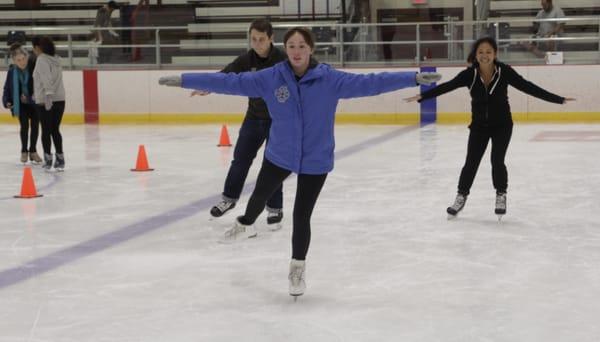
(90,96)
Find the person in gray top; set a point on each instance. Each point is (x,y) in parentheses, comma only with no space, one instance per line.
(547,29)
(105,36)
(49,97)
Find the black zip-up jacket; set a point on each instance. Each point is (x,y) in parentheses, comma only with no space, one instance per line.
(250,61)
(489,105)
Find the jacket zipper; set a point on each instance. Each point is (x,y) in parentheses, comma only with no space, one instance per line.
(301,127)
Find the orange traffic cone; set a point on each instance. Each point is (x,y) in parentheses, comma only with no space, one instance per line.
(28,186)
(142,161)
(224,140)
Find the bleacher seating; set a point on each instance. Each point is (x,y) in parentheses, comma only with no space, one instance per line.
(527,9)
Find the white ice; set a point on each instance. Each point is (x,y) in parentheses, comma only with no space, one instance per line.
(112,255)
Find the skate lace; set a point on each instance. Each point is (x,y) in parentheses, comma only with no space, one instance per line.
(296,276)
(459,202)
(223,205)
(501,201)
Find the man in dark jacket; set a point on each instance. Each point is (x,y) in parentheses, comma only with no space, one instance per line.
(256,125)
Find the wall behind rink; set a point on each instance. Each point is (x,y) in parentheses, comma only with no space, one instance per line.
(134,96)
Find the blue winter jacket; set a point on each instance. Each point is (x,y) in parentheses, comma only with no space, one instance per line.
(303,112)
(7,94)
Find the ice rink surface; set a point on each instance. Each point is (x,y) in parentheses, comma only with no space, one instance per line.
(112,255)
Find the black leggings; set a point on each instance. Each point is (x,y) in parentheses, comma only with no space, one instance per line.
(29,117)
(51,126)
(478,141)
(308,188)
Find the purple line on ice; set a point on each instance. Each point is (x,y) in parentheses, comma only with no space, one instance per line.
(81,250)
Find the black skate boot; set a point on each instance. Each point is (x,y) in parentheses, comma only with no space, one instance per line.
(222,207)
(459,203)
(500,204)
(274,218)
(59,163)
(47,161)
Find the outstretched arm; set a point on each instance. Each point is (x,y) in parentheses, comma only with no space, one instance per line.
(461,80)
(349,85)
(235,66)
(249,84)
(517,81)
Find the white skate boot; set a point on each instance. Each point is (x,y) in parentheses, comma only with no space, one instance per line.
(238,232)
(296,278)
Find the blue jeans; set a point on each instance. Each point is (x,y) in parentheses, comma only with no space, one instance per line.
(252,135)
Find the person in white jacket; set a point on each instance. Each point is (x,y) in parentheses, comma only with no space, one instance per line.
(49,96)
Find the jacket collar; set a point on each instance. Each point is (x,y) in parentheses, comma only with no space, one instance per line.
(315,70)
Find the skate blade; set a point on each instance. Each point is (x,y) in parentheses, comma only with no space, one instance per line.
(295,296)
(451,217)
(274,227)
(225,241)
(500,217)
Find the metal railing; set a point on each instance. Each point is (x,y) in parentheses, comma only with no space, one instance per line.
(360,44)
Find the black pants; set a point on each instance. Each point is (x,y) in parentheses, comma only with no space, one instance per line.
(29,118)
(253,134)
(51,126)
(478,141)
(308,188)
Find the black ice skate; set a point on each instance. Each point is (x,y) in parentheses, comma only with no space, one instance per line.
(500,205)
(274,218)
(459,203)
(47,161)
(59,163)
(222,207)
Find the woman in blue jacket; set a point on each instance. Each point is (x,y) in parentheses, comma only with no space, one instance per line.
(301,96)
(18,97)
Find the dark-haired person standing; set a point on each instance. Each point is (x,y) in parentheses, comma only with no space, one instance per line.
(255,128)
(49,93)
(105,37)
(302,97)
(488,80)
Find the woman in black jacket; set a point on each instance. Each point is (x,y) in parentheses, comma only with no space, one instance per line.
(488,81)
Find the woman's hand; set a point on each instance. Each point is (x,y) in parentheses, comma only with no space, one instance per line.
(412,98)
(170,81)
(23,98)
(9,105)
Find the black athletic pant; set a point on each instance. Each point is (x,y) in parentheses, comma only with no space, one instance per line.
(29,117)
(51,126)
(308,188)
(478,141)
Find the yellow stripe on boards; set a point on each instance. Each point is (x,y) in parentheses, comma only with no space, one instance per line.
(556,117)
(68,118)
(341,118)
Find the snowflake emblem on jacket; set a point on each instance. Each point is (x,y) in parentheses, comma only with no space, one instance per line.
(282,94)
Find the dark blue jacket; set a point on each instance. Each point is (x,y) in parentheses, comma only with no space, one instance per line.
(303,112)
(7,95)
